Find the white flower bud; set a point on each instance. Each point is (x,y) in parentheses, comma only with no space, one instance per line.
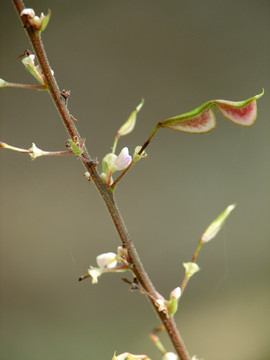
(88,176)
(39,23)
(103,177)
(175,294)
(170,356)
(3,83)
(107,260)
(28,12)
(161,305)
(36,21)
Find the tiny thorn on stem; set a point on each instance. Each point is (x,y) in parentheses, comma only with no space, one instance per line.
(73,118)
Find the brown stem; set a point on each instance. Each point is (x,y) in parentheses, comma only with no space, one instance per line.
(194,258)
(121,175)
(106,194)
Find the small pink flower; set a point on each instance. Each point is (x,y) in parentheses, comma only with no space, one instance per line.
(116,163)
(123,159)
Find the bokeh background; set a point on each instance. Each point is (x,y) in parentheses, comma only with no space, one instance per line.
(110,54)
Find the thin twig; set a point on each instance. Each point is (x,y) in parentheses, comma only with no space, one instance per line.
(25,86)
(106,194)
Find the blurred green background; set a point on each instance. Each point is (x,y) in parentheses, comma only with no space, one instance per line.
(110,54)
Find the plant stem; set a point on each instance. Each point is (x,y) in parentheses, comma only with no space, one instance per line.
(123,173)
(147,142)
(25,86)
(194,258)
(105,193)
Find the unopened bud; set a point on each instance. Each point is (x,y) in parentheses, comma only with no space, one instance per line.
(129,125)
(3,83)
(170,356)
(39,23)
(172,304)
(161,305)
(176,293)
(103,177)
(216,225)
(28,12)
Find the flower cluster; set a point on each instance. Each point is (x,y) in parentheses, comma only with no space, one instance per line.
(112,163)
(38,23)
(107,262)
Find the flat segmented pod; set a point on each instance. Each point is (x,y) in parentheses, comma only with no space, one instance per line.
(240,112)
(198,121)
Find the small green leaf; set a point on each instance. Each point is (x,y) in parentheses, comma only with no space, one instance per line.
(75,148)
(172,304)
(199,120)
(45,20)
(240,112)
